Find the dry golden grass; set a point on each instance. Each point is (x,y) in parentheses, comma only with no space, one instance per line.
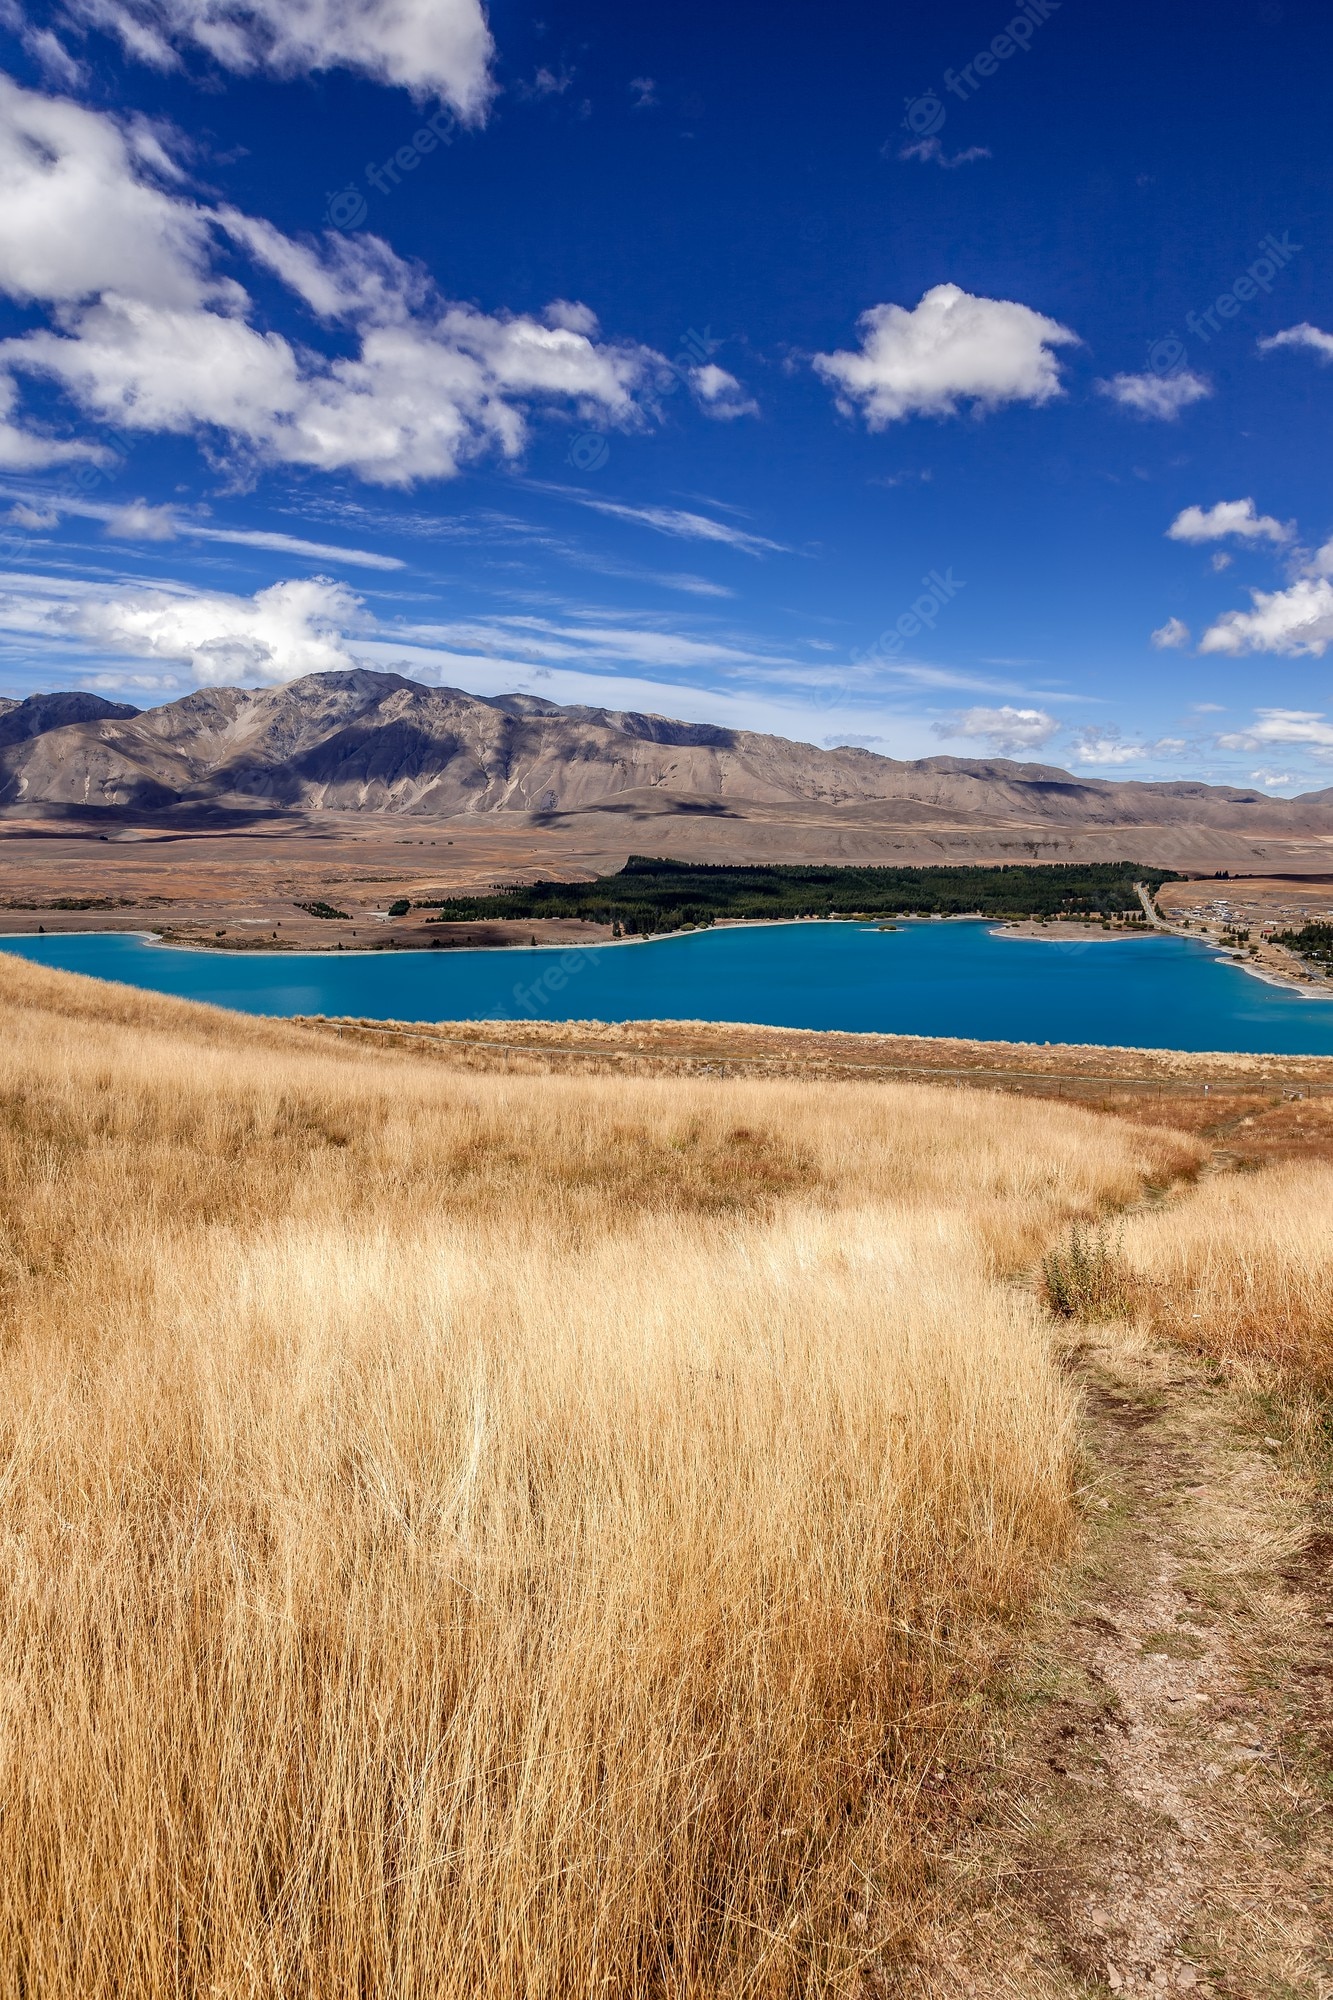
(522,1537)
(1243,1268)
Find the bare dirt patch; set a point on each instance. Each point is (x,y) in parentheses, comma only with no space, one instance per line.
(1159,1816)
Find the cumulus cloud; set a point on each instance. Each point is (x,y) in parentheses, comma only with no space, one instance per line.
(950,349)
(1311,337)
(1174,634)
(86,211)
(1008,730)
(1161,396)
(1298,620)
(1235,519)
(1108,747)
(1284,726)
(434,48)
(720,394)
(282,632)
(146,336)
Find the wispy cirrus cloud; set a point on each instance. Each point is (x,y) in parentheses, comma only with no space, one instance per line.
(138,521)
(679,522)
(932,150)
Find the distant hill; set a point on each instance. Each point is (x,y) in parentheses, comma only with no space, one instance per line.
(363,742)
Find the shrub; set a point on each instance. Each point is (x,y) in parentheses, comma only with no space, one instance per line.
(1089,1278)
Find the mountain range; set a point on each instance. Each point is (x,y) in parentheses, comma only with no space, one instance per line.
(362,742)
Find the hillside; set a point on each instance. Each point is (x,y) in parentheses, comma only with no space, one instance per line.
(368,743)
(473,1532)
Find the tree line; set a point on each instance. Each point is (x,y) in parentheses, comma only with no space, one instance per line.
(649,896)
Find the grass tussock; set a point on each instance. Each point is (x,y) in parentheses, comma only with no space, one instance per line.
(1086,1276)
(1244,1268)
(467,1535)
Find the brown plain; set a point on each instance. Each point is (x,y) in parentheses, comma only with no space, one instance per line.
(470,1531)
(528,1536)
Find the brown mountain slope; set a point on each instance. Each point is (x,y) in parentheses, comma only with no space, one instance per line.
(371,743)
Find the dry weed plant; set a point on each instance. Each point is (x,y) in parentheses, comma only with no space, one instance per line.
(1244,1268)
(523,1537)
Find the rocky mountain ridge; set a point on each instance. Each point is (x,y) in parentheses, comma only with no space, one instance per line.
(364,742)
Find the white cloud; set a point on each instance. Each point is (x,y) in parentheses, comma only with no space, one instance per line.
(1008,730)
(1304,335)
(575,318)
(932,149)
(147,338)
(596,641)
(951,348)
(1108,747)
(1174,634)
(27,450)
(438,48)
(720,393)
(36,519)
(679,521)
(645,92)
(1163,396)
(1294,621)
(1272,778)
(1220,560)
(120,678)
(1283,726)
(1236,519)
(282,632)
(57,65)
(136,520)
(84,212)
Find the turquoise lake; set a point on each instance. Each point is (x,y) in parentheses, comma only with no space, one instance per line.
(922,979)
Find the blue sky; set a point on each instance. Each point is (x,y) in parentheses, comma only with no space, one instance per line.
(940,378)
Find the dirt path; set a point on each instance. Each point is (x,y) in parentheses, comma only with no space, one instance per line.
(1158,1817)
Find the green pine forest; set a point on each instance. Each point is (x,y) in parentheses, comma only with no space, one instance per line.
(651,896)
